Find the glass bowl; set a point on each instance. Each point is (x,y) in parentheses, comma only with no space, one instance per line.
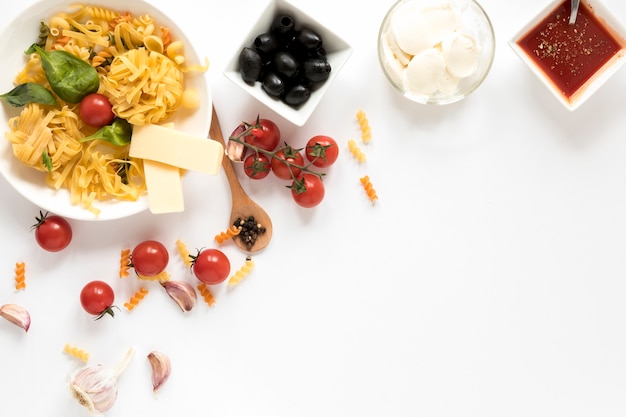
(436,51)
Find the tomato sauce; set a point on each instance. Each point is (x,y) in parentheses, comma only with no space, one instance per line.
(570,54)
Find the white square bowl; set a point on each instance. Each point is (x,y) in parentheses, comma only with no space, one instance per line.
(337,53)
(590,11)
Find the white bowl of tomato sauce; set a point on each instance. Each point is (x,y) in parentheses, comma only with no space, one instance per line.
(572,61)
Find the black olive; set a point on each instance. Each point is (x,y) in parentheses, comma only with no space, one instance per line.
(265,43)
(273,84)
(297,95)
(316,69)
(250,65)
(309,38)
(282,25)
(285,64)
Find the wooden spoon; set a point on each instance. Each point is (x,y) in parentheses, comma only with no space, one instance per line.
(242,205)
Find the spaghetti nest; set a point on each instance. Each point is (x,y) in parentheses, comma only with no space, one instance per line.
(140,69)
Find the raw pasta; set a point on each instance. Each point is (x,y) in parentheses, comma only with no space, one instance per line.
(356,151)
(227,234)
(369,188)
(366,131)
(20,275)
(206,294)
(141,72)
(241,273)
(136,298)
(76,352)
(125,263)
(184,252)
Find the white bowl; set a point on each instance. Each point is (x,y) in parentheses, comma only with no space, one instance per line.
(30,183)
(571,92)
(337,53)
(436,51)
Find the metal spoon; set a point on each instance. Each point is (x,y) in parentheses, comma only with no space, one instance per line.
(574,12)
(242,205)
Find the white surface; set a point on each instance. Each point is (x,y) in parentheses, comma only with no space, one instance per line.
(487,281)
(30,183)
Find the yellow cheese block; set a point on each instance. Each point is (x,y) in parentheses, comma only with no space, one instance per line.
(161,144)
(165,188)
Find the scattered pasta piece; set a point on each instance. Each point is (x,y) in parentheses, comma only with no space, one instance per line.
(183,252)
(136,298)
(206,294)
(245,269)
(124,262)
(356,151)
(366,132)
(227,234)
(20,275)
(369,188)
(161,277)
(76,352)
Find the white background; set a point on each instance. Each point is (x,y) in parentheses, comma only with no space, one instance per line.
(487,281)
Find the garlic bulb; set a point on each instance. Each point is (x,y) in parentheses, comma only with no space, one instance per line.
(95,387)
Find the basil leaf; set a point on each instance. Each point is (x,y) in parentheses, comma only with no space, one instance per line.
(70,77)
(46,160)
(117,133)
(29,93)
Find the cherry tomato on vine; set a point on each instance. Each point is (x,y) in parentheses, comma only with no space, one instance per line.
(149,258)
(265,134)
(322,151)
(97,298)
(257,166)
(308,190)
(52,233)
(96,110)
(211,266)
(283,170)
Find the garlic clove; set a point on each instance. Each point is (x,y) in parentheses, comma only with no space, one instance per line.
(17,315)
(95,386)
(182,293)
(161,369)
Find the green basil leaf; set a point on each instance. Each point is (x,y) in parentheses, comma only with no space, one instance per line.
(29,93)
(117,133)
(70,77)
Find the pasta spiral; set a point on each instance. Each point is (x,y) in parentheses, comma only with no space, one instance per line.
(206,294)
(20,275)
(76,352)
(227,234)
(136,298)
(241,273)
(369,188)
(184,253)
(366,131)
(356,151)
(125,263)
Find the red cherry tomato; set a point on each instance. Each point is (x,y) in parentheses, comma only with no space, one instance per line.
(96,110)
(211,266)
(52,233)
(265,134)
(149,258)
(97,298)
(322,151)
(308,190)
(283,170)
(257,166)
